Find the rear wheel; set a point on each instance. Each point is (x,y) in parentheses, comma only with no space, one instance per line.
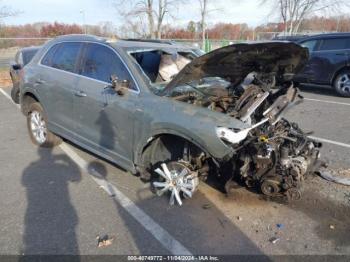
(37,127)
(342,83)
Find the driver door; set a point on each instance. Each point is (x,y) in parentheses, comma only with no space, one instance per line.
(105,119)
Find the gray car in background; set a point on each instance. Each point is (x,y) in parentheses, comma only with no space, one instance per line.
(173,117)
(22,57)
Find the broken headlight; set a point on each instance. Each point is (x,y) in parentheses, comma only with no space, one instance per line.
(233,136)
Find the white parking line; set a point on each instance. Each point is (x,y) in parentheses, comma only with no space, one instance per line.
(6,94)
(163,236)
(327,101)
(330,141)
(174,246)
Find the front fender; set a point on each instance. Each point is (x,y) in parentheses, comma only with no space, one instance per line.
(215,148)
(162,115)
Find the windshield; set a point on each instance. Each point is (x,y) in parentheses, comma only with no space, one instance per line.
(160,66)
(208,86)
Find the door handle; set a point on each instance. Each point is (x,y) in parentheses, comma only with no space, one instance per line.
(80,93)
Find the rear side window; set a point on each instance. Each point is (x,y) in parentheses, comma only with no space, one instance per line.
(334,44)
(62,56)
(101,62)
(28,55)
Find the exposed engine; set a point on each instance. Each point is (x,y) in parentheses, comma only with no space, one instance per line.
(276,159)
(273,155)
(253,84)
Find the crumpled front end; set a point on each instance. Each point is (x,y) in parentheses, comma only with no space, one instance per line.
(273,154)
(253,84)
(275,159)
(276,155)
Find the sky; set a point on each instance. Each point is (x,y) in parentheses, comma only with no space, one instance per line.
(70,11)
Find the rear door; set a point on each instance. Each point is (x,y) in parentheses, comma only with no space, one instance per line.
(57,81)
(332,54)
(329,55)
(105,119)
(307,73)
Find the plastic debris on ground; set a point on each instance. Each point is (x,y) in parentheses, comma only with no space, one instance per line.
(104,241)
(274,240)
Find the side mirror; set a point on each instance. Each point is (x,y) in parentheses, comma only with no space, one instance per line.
(17,66)
(120,86)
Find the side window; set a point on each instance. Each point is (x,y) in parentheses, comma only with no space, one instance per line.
(62,56)
(27,56)
(309,45)
(333,44)
(66,56)
(47,59)
(100,63)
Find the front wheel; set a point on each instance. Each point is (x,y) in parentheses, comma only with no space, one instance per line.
(342,83)
(37,127)
(177,178)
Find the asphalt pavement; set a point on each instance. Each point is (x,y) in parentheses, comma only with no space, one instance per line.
(59,201)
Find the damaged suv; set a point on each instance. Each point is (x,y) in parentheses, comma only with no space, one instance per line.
(172,117)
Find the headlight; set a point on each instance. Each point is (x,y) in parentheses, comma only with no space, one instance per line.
(231,136)
(235,137)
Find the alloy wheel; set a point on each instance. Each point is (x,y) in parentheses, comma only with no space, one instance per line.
(177,179)
(343,83)
(38,127)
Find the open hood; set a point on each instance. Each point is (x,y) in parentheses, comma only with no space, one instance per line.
(236,61)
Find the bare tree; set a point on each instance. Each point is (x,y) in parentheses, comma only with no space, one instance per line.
(134,28)
(294,12)
(6,11)
(153,10)
(165,7)
(205,11)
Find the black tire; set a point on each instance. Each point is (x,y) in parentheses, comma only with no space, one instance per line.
(15,94)
(341,83)
(49,139)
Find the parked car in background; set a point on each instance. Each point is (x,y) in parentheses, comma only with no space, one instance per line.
(23,57)
(290,38)
(329,61)
(196,50)
(172,116)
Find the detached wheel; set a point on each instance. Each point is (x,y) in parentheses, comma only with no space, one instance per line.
(15,94)
(342,83)
(37,127)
